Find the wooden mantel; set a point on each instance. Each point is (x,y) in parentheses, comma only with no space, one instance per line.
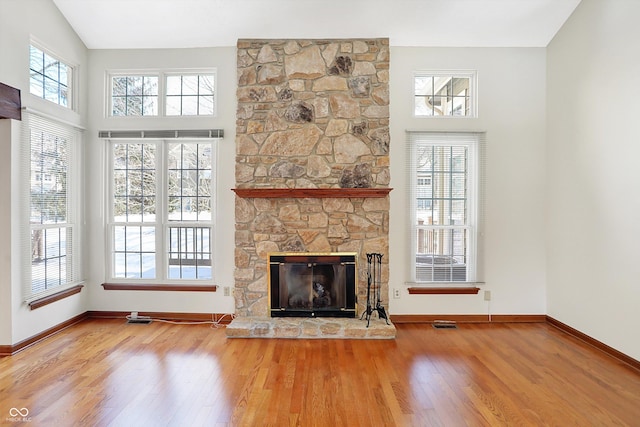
(10,104)
(316,193)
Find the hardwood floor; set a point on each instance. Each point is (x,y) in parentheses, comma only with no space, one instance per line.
(108,373)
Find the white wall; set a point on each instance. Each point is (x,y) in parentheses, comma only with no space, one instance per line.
(5,233)
(19,21)
(593,175)
(511,105)
(102,61)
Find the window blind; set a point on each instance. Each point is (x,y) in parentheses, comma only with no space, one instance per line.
(446,205)
(50,234)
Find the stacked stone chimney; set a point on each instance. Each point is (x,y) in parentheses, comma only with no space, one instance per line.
(311,114)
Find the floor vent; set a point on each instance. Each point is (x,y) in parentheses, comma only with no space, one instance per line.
(444,325)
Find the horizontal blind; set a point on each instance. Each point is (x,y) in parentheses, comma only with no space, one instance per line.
(161,134)
(50,231)
(415,138)
(437,163)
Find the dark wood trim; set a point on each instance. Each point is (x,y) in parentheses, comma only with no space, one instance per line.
(10,104)
(9,350)
(223,319)
(49,299)
(469,318)
(155,287)
(316,193)
(595,343)
(442,291)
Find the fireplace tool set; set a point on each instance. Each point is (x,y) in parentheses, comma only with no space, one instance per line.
(374,275)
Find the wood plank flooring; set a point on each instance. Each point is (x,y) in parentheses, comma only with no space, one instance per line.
(109,373)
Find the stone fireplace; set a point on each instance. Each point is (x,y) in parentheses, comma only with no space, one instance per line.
(303,284)
(312,158)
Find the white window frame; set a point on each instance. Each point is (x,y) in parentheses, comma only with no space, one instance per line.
(32,122)
(162,75)
(475,144)
(472,75)
(162,224)
(72,75)
(185,74)
(142,74)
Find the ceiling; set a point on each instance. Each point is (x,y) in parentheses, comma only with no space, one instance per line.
(125,24)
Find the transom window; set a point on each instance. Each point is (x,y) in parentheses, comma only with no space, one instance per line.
(134,96)
(190,95)
(141,94)
(444,94)
(49,77)
(162,210)
(444,205)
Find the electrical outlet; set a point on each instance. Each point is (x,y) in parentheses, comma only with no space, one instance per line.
(396,293)
(226,291)
(487,295)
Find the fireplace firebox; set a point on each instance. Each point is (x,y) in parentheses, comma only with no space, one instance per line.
(312,284)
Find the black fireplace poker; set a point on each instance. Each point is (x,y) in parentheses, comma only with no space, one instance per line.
(374,302)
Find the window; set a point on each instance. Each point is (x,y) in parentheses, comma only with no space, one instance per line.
(190,95)
(52,261)
(134,95)
(423,190)
(444,94)
(50,78)
(162,210)
(445,205)
(141,94)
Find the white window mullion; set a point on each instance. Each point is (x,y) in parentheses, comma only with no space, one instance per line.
(412,238)
(473,200)
(75,206)
(108,153)
(162,244)
(214,207)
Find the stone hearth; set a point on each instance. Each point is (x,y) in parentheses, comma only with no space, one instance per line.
(324,328)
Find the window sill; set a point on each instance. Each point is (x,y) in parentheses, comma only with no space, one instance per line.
(156,287)
(442,290)
(49,299)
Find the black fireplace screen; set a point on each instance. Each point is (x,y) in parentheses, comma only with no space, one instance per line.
(312,285)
